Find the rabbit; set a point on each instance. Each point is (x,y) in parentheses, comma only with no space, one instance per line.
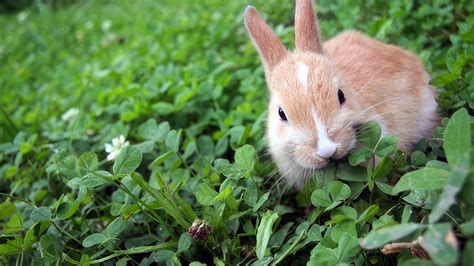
(322,92)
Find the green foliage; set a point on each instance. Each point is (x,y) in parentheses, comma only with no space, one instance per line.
(190,182)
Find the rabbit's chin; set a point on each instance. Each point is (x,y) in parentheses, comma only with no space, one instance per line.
(295,172)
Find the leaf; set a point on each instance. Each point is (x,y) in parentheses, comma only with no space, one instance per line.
(368,214)
(345,211)
(11,247)
(87,163)
(370,176)
(172,140)
(41,214)
(314,234)
(128,160)
(245,159)
(205,195)
(468,36)
(238,136)
(406,214)
(66,210)
(387,146)
(360,155)
(13,225)
(423,179)
(339,191)
(264,232)
(91,180)
(168,206)
(453,185)
(223,195)
(218,262)
(457,137)
(347,172)
(369,134)
(383,168)
(466,194)
(468,254)
(437,164)
(418,158)
(163,108)
(147,130)
(261,201)
(322,255)
(251,196)
(385,188)
(150,130)
(347,248)
(319,198)
(114,229)
(279,236)
(302,228)
(383,221)
(162,132)
(455,61)
(162,255)
(341,228)
(30,237)
(416,262)
(190,149)
(378,238)
(94,239)
(197,263)
(184,242)
(467,228)
(160,159)
(442,79)
(441,244)
(51,245)
(146,146)
(6,209)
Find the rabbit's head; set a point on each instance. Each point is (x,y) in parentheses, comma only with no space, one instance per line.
(310,111)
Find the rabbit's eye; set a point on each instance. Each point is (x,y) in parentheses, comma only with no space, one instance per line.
(340,96)
(282,114)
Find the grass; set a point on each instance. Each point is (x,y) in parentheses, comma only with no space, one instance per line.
(182,83)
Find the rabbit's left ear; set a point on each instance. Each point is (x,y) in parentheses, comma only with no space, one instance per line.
(307,28)
(269,47)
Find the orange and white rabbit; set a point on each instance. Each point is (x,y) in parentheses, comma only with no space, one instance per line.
(321,92)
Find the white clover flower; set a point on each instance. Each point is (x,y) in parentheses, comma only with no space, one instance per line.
(70,114)
(114,149)
(22,16)
(106,24)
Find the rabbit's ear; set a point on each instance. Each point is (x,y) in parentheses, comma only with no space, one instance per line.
(307,28)
(269,47)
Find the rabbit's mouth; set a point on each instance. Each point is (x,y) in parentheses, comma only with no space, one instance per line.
(313,162)
(357,126)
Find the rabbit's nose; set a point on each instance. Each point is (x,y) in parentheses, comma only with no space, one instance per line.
(326,149)
(325,146)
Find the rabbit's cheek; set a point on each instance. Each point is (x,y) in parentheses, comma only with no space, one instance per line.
(346,141)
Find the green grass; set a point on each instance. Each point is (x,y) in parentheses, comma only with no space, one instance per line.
(181,81)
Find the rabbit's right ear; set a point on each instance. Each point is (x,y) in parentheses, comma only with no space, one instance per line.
(307,28)
(269,47)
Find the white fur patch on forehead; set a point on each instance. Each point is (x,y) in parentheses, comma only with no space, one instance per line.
(302,72)
(326,147)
